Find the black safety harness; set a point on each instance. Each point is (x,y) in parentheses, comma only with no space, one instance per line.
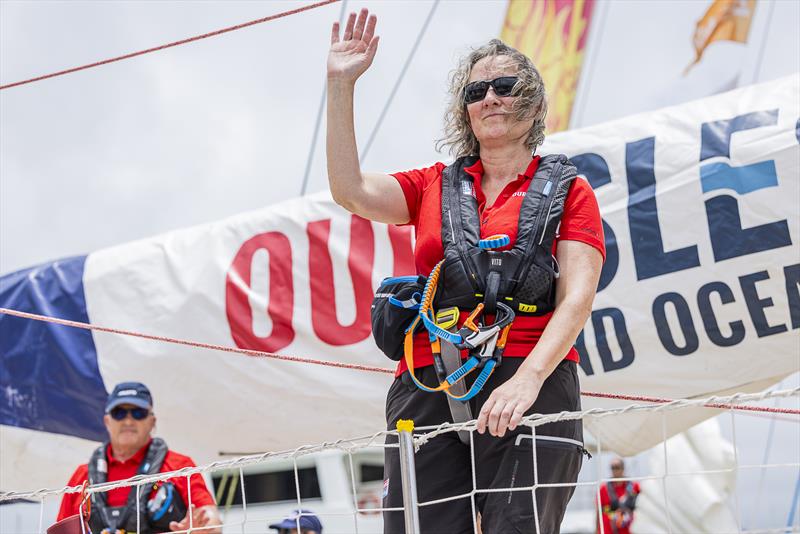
(474,275)
(154,514)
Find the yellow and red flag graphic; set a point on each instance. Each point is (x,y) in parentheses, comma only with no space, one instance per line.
(725,20)
(553,34)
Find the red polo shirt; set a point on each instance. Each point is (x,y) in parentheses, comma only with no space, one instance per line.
(620,488)
(423,191)
(117,470)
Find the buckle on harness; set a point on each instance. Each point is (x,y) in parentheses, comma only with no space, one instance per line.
(485,343)
(482,336)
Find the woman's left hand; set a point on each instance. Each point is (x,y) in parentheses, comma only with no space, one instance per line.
(505,407)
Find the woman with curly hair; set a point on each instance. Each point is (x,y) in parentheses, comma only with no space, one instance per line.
(527,232)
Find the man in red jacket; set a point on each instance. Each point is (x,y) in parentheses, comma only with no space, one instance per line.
(618,500)
(131,450)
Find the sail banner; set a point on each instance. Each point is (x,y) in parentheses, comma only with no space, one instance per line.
(700,294)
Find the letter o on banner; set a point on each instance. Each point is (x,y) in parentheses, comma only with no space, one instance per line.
(663,329)
(281,293)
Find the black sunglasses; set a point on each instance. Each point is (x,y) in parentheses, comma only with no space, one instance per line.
(119,413)
(476,91)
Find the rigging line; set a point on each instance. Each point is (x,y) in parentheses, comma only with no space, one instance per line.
(170,45)
(313,148)
(397,83)
(371,440)
(196,344)
(658,400)
(358,367)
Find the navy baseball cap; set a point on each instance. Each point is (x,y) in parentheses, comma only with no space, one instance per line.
(307,521)
(134,393)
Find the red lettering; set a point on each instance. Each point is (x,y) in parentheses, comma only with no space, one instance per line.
(402,250)
(323,293)
(281,293)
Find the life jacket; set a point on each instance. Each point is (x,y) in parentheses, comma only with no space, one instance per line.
(155,514)
(475,276)
(614,501)
(522,277)
(620,514)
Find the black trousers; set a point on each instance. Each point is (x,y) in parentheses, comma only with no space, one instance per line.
(444,466)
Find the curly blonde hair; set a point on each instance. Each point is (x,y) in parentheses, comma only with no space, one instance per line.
(531,101)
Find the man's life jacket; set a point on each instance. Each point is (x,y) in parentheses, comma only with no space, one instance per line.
(523,277)
(155,514)
(629,501)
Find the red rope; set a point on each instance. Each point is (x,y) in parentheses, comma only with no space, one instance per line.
(170,45)
(197,344)
(250,352)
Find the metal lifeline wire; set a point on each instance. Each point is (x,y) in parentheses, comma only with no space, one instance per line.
(170,45)
(342,365)
(351,445)
(426,433)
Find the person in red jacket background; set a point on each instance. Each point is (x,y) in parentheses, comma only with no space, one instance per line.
(618,500)
(132,450)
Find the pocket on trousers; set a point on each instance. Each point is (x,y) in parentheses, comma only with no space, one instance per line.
(558,461)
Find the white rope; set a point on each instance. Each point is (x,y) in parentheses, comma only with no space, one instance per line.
(542,419)
(363,442)
(243,461)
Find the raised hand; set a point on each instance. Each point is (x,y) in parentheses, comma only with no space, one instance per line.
(351,55)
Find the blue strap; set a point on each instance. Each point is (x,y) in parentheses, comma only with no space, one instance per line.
(440,332)
(399,279)
(410,304)
(463,371)
(496,241)
(486,372)
(166,504)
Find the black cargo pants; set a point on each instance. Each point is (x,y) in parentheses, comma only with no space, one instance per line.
(444,467)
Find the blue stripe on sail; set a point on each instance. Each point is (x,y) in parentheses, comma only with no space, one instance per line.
(49,376)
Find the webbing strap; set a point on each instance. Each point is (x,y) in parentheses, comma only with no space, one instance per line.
(440,332)
(460,411)
(408,354)
(483,377)
(435,331)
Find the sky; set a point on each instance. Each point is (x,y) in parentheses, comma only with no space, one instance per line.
(213,128)
(222,126)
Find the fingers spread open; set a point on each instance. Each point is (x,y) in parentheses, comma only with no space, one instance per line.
(362,20)
(335,33)
(348,29)
(372,47)
(370,30)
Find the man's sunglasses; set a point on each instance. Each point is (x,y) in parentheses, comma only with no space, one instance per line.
(119,413)
(476,91)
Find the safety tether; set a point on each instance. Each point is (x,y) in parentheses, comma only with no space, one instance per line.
(485,343)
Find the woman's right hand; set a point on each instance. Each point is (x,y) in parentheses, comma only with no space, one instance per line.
(353,54)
